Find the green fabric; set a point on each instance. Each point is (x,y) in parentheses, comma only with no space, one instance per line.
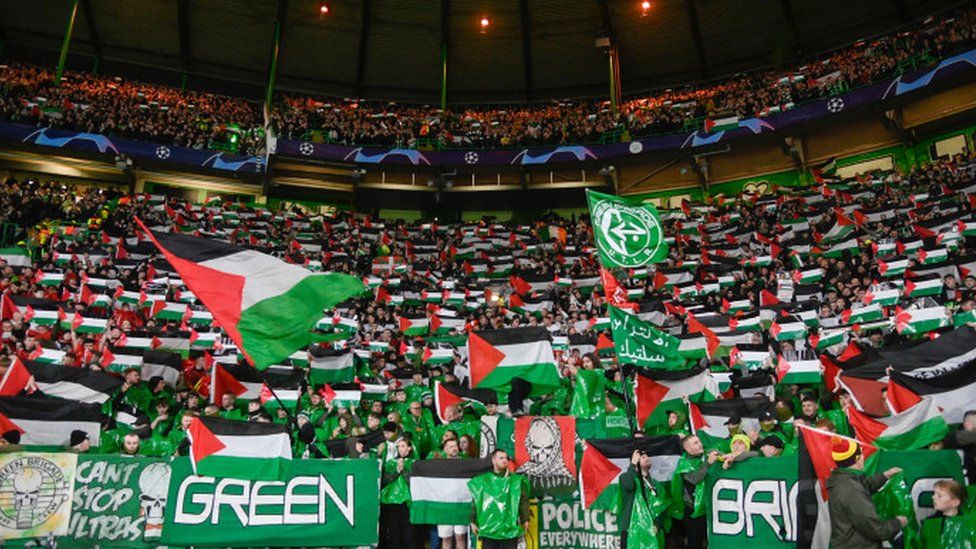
(640,343)
(398,490)
(687,464)
(895,499)
(958,532)
(643,530)
(496,504)
(588,394)
(272,329)
(627,232)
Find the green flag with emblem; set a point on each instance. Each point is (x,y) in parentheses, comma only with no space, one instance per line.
(627,232)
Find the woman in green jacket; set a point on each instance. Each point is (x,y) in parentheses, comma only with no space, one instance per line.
(396,531)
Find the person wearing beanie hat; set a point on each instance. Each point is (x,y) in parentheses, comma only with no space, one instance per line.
(740,450)
(770,446)
(854,521)
(79,442)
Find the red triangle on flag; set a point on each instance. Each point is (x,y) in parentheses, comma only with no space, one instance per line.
(107,358)
(697,419)
(16,379)
(405,324)
(6,425)
(900,398)
(443,398)
(224,382)
(484,358)
(77,321)
(782,368)
(767,298)
(818,446)
(648,394)
(435,323)
(203,442)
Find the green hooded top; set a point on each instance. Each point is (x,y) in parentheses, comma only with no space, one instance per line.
(497,500)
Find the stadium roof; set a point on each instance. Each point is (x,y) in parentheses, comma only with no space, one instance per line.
(391,49)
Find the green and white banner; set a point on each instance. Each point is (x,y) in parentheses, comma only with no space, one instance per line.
(563,522)
(335,501)
(118,502)
(752,504)
(35,494)
(628,233)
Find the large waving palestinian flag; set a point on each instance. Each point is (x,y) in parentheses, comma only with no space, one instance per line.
(238,449)
(266,306)
(498,356)
(911,429)
(604,460)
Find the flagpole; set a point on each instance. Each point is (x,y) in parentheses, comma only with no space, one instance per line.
(267,383)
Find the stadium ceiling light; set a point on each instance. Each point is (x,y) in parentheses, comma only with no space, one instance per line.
(645,7)
(324,9)
(485,22)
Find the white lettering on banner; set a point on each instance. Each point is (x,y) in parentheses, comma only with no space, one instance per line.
(769,500)
(922,487)
(262,503)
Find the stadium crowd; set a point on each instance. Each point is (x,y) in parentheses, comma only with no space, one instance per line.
(94,295)
(168,115)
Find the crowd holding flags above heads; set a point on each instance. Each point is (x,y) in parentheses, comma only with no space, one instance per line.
(632,364)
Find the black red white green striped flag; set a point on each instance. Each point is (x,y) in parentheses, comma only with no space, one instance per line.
(266,306)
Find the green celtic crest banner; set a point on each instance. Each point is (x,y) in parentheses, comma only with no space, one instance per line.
(628,233)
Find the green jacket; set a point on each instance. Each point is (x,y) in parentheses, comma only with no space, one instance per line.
(656,493)
(396,484)
(854,521)
(957,532)
(500,504)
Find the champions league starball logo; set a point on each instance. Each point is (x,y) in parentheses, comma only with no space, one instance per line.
(31,491)
(631,236)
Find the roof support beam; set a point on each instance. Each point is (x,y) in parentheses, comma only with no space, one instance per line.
(279,27)
(183,30)
(363,45)
(697,36)
(604,6)
(96,43)
(527,46)
(445,47)
(794,30)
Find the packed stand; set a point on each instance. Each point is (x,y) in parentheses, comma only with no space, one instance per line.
(142,111)
(791,309)
(356,122)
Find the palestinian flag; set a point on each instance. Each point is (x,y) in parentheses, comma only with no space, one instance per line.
(751,355)
(746,323)
(227,448)
(331,365)
(497,356)
(343,395)
(708,419)
(932,257)
(739,305)
(266,306)
(45,421)
(284,381)
(604,460)
(451,394)
(439,491)
(828,337)
(165,364)
(921,287)
(808,276)
(893,267)
(659,391)
(15,257)
(885,298)
(862,314)
(721,124)
(838,249)
(953,390)
(432,356)
(787,330)
(798,371)
(84,325)
(912,429)
(49,279)
(414,326)
(55,380)
(530,304)
(692,346)
(920,321)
